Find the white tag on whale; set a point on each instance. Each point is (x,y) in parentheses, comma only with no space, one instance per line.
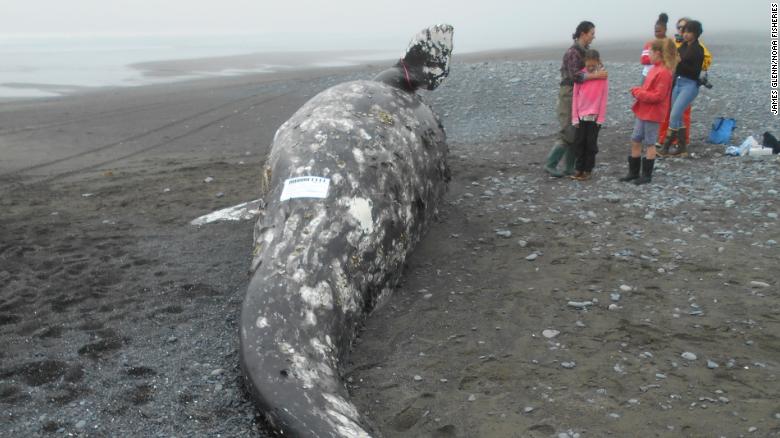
(305,187)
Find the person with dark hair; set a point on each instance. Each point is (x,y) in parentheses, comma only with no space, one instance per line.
(659,31)
(588,112)
(686,87)
(705,66)
(571,72)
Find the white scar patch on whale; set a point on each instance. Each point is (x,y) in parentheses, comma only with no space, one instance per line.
(318,296)
(360,209)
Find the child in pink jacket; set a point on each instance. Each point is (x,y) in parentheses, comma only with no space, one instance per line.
(588,111)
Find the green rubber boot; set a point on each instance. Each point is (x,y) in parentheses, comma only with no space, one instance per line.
(570,160)
(550,166)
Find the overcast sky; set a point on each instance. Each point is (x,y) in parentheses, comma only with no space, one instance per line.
(478,24)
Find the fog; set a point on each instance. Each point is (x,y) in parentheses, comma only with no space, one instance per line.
(373,24)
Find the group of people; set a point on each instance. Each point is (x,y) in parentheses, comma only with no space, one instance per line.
(671,77)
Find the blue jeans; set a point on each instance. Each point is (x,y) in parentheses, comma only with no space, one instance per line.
(683,93)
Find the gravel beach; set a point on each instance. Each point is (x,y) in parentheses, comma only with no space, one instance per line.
(535,307)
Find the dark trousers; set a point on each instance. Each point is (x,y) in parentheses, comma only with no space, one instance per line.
(586,146)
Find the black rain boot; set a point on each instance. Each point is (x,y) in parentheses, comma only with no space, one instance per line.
(679,150)
(633,169)
(647,172)
(671,136)
(661,150)
(682,145)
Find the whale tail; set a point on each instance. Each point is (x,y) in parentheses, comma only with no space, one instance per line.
(430,52)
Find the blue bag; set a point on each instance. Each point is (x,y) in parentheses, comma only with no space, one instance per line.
(721,131)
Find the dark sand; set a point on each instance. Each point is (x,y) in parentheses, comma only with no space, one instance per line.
(118,318)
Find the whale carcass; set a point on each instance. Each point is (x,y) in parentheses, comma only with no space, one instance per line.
(353,181)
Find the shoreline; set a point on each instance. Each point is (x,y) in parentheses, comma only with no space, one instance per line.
(259,64)
(161,72)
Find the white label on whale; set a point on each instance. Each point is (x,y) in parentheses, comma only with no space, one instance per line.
(305,187)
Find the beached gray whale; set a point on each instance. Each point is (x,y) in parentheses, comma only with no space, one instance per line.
(353,181)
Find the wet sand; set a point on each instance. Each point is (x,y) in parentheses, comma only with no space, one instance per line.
(119,318)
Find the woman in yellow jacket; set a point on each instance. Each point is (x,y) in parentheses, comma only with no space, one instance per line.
(705,65)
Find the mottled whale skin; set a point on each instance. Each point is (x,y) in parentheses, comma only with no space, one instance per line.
(320,265)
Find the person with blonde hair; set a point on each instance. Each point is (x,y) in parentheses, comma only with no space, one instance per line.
(652,103)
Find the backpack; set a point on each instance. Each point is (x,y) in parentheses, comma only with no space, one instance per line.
(721,131)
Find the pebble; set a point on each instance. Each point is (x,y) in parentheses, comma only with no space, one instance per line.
(472,397)
(208,179)
(614,306)
(528,409)
(688,356)
(712,365)
(531,257)
(625,288)
(568,365)
(504,233)
(522,243)
(579,304)
(759,284)
(418,378)
(614,296)
(752,429)
(549,334)
(730,203)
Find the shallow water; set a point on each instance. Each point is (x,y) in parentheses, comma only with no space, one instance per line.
(52,66)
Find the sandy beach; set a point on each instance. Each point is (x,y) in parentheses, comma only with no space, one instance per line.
(119,318)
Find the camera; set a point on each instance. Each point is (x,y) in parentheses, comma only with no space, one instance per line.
(704,81)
